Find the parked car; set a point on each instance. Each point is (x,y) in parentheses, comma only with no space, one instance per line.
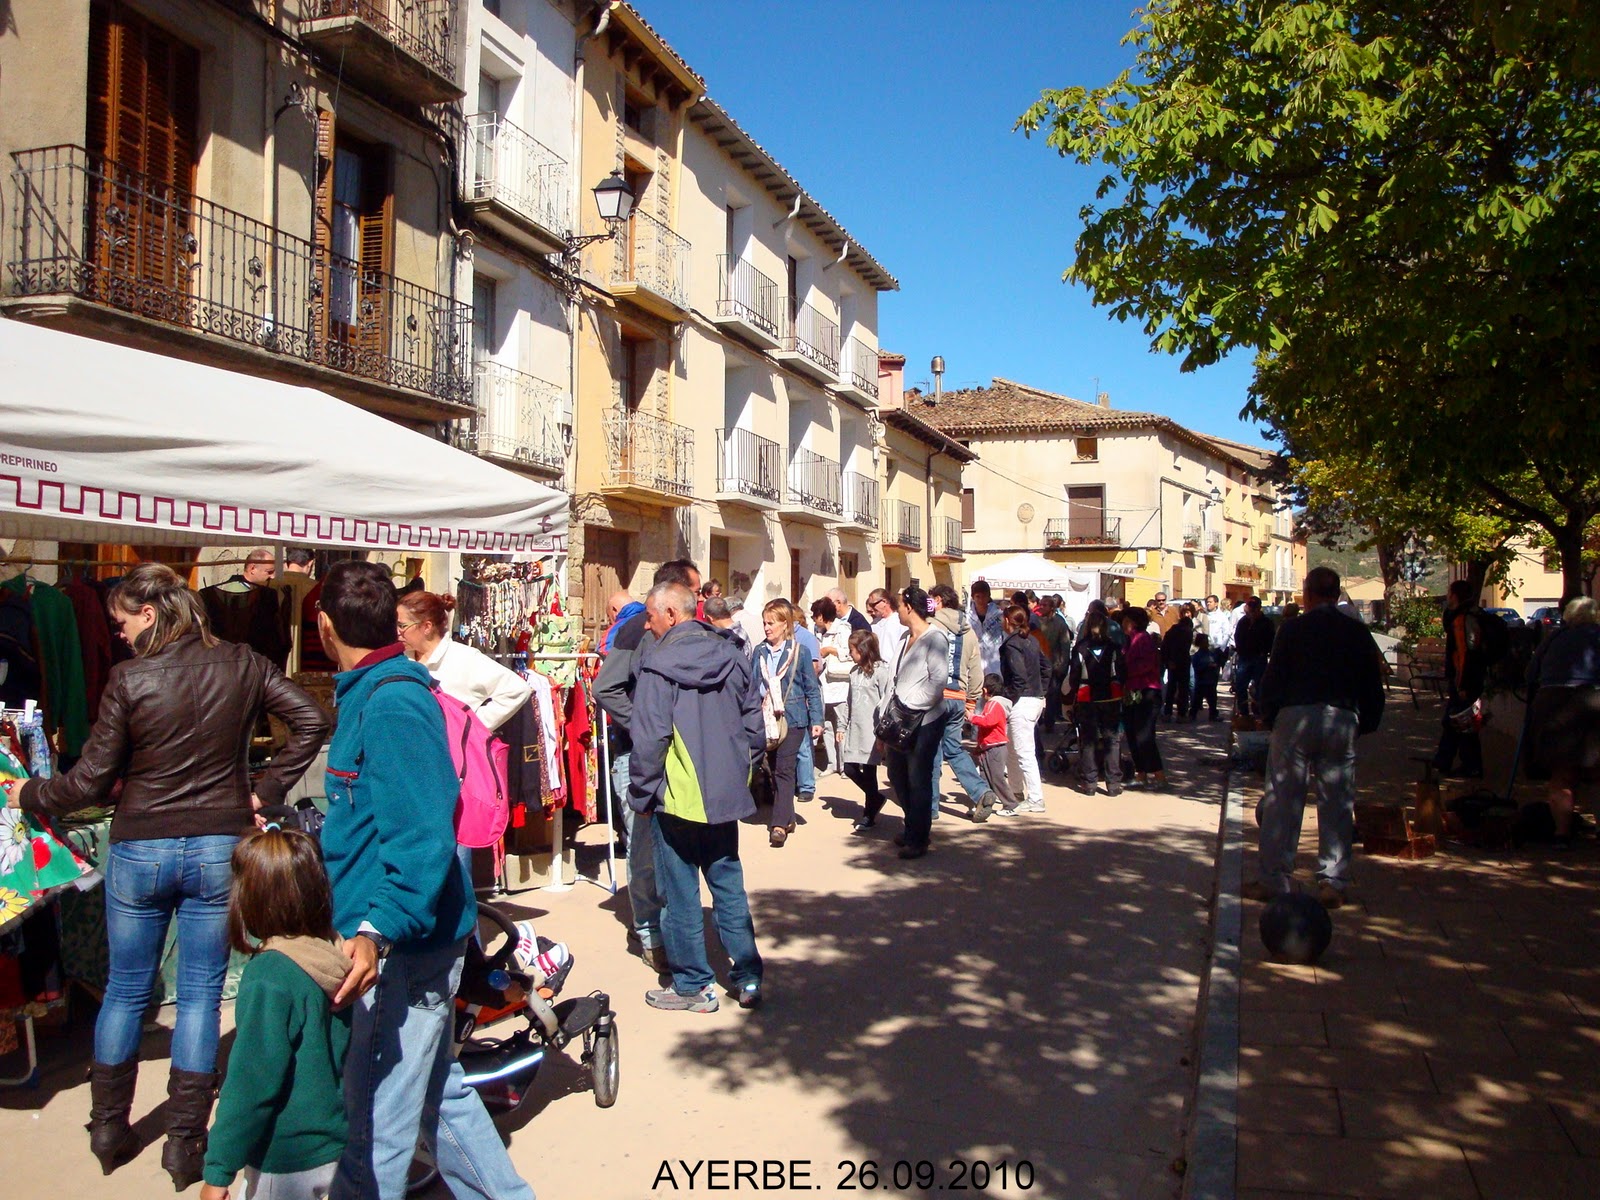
(1510,616)
(1546,619)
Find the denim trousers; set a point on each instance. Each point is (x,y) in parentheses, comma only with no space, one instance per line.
(805,765)
(911,774)
(1020,731)
(643,896)
(686,850)
(1247,672)
(146,883)
(950,751)
(1307,740)
(401,1078)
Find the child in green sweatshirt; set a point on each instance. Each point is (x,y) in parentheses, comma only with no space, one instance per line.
(281,1117)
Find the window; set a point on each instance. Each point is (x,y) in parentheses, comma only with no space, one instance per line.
(1086,514)
(792,279)
(358,206)
(1088,449)
(636,113)
(485,341)
(969,511)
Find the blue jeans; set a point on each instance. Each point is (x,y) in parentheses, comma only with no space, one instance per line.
(401,1077)
(644,898)
(911,772)
(146,882)
(685,850)
(1247,672)
(805,768)
(950,751)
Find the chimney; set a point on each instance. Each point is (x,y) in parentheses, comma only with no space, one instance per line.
(938,376)
(1103,399)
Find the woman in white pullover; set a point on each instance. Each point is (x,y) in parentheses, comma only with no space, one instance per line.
(920,672)
(493,692)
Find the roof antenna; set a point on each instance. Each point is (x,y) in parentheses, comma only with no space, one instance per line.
(938,375)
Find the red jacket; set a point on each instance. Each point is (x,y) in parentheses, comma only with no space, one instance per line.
(990,722)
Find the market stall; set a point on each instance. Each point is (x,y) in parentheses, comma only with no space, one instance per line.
(1034,572)
(104,444)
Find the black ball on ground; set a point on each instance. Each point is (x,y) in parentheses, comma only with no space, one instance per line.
(1295,928)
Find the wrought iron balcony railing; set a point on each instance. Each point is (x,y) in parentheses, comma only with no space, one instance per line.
(902,525)
(814,483)
(950,543)
(749,465)
(1192,535)
(1211,541)
(746,295)
(1092,529)
(860,368)
(507,165)
(519,418)
(649,453)
(656,259)
(815,338)
(85,226)
(861,499)
(424,30)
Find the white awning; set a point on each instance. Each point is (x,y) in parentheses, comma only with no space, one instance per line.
(100,442)
(1034,572)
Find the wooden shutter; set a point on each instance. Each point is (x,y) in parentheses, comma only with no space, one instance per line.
(322,228)
(1086,513)
(377,222)
(143,106)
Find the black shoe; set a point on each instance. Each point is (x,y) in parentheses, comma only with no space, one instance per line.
(189,1098)
(913,851)
(861,823)
(1113,789)
(111,1139)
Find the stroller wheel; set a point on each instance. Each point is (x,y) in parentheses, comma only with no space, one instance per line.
(423,1170)
(604,1067)
(1059,762)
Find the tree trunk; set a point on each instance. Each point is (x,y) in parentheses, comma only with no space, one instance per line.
(1477,570)
(1390,555)
(1569,543)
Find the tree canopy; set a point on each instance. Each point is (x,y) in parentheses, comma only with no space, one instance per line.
(1395,204)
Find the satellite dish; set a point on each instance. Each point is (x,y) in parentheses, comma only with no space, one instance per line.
(1025,513)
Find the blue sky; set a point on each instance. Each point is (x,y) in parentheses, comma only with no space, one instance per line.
(897,116)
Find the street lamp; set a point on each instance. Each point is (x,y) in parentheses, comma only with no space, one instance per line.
(614,198)
(1216,494)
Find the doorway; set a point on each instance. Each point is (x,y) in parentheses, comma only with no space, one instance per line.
(607,570)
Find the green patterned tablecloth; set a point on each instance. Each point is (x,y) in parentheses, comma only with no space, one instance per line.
(85,956)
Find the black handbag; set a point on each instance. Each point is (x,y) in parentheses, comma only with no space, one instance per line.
(896,723)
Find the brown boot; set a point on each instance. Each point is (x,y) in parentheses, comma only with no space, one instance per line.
(189,1098)
(111,1138)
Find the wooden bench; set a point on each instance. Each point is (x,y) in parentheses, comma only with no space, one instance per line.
(1422,668)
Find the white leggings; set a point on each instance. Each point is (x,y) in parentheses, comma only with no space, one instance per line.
(1023,761)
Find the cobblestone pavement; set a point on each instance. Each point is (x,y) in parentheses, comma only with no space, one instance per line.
(1447,1045)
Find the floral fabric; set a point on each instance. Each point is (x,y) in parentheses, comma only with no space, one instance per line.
(34,863)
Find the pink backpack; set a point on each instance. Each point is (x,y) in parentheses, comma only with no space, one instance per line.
(481,761)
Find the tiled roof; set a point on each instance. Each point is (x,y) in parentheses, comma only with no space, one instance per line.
(754,159)
(1006,406)
(909,422)
(689,79)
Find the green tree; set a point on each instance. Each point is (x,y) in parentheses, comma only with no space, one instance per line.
(1395,204)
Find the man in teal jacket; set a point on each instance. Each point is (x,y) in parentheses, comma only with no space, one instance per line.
(403,902)
(696,728)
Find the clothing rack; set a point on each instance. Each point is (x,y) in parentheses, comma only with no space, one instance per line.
(28,561)
(25,715)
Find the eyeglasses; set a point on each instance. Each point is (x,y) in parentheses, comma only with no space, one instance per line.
(402,626)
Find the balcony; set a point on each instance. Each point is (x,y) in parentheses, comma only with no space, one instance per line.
(654,272)
(1211,541)
(519,420)
(948,547)
(403,49)
(811,345)
(858,373)
(748,303)
(749,469)
(902,526)
(1201,539)
(860,502)
(111,247)
(1090,530)
(814,489)
(648,459)
(515,184)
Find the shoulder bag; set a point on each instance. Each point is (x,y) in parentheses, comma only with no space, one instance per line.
(897,722)
(781,721)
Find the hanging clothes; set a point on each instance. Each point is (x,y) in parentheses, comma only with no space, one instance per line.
(251,615)
(94,636)
(55,631)
(525,768)
(21,679)
(312,656)
(579,746)
(549,732)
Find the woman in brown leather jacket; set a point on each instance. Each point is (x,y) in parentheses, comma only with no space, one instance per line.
(174,726)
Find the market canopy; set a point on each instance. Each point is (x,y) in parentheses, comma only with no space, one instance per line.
(101,442)
(1035,572)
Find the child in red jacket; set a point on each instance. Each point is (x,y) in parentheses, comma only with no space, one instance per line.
(990,721)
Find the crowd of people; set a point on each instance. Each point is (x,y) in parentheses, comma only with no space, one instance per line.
(357,938)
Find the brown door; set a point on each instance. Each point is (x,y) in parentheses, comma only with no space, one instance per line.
(794,576)
(1086,514)
(607,570)
(719,563)
(141,134)
(1177,582)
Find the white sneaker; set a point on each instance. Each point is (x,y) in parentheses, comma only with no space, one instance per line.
(1031,806)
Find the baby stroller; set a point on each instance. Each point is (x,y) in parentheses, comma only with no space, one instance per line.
(515,983)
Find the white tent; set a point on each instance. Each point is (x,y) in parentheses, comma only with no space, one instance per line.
(100,442)
(1034,572)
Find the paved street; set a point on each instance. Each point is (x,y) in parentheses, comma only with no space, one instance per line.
(1446,1044)
(1026,992)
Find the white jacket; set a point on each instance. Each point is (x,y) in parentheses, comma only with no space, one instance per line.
(472,677)
(836,667)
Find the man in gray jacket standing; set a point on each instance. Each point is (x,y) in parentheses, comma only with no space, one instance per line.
(697,729)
